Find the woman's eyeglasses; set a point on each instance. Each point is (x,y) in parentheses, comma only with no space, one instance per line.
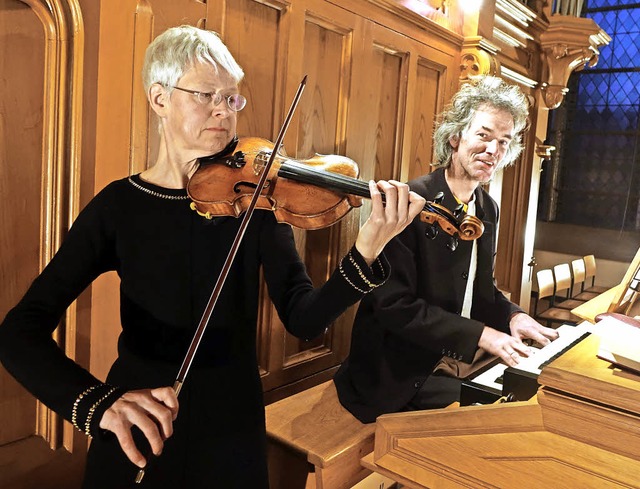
(235,101)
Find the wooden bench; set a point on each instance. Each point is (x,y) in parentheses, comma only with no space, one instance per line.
(316,443)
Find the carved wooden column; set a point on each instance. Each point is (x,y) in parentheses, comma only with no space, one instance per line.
(479,51)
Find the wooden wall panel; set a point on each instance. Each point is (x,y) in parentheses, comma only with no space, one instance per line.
(429,75)
(386,75)
(376,124)
(255,36)
(327,63)
(319,127)
(427,104)
(51,44)
(322,115)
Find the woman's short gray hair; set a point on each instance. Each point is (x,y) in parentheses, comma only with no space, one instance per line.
(176,50)
(481,91)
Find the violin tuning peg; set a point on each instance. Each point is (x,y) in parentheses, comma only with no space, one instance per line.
(453,243)
(431,231)
(458,211)
(439,198)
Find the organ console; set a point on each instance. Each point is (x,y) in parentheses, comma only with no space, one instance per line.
(582,429)
(573,419)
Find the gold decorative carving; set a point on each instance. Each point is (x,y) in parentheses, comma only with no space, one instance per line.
(478,58)
(478,63)
(569,44)
(553,95)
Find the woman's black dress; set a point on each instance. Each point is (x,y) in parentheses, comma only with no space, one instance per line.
(168,258)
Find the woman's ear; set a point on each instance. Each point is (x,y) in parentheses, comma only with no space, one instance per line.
(158,99)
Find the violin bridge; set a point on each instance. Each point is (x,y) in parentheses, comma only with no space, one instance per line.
(260,161)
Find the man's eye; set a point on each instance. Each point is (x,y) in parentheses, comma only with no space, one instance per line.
(206,97)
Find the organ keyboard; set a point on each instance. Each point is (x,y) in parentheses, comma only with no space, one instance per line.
(521,382)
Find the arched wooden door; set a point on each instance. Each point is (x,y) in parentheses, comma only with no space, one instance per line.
(41,63)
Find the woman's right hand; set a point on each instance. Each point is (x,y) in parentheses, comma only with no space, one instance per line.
(151,410)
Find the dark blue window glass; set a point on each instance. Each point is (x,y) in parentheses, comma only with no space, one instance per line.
(597,129)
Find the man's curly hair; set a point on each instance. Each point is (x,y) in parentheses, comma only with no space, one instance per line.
(480,92)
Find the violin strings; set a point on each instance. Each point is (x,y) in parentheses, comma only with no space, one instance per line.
(342,183)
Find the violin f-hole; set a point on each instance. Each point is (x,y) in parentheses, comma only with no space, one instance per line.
(237,188)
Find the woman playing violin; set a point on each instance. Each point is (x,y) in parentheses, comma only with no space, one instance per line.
(167,258)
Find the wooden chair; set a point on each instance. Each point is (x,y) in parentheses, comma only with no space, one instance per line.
(547,290)
(590,274)
(579,276)
(314,442)
(564,284)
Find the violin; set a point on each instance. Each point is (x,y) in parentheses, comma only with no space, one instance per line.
(309,194)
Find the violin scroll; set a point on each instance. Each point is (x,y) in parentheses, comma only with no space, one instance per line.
(471,228)
(437,216)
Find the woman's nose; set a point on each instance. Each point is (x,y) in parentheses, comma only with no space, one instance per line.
(221,109)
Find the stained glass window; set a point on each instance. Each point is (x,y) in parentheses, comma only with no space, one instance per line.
(597,131)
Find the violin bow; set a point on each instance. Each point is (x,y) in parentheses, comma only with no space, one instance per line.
(233,251)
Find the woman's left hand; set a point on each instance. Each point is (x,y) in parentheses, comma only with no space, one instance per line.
(387,219)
